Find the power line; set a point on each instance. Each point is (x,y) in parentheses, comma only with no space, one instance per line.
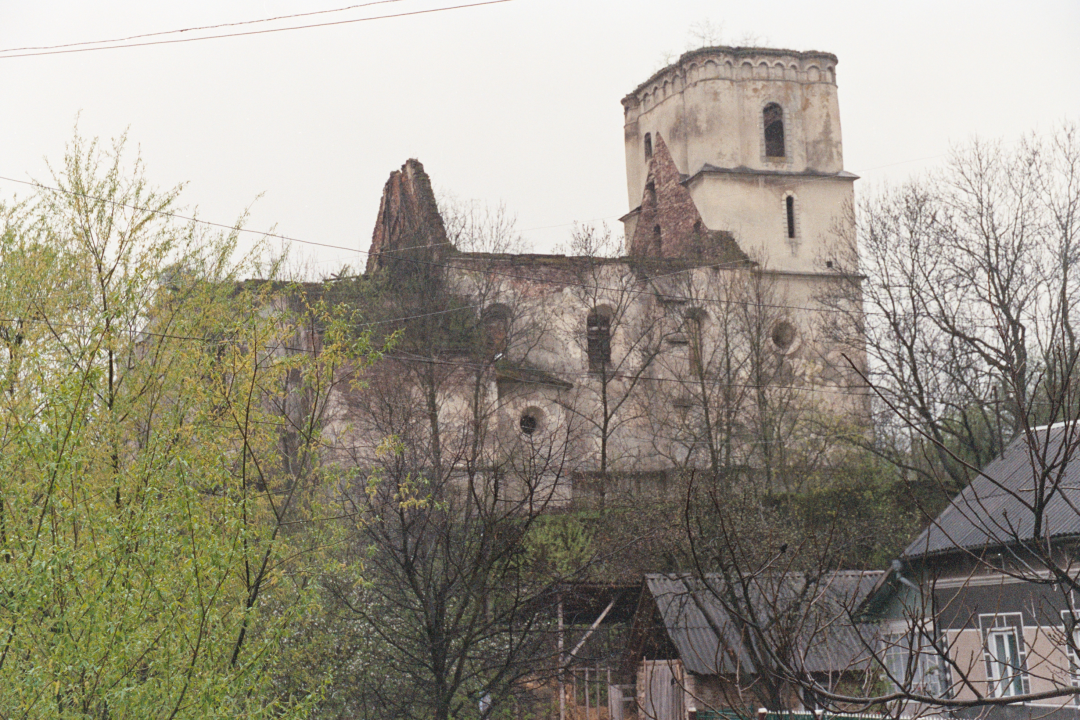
(199,28)
(488,271)
(170,336)
(445,265)
(788,185)
(176,216)
(64,51)
(450,266)
(466,364)
(691,381)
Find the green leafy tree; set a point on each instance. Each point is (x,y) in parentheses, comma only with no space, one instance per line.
(159,422)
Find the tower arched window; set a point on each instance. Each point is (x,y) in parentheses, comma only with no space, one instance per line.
(598,337)
(789,204)
(495,329)
(694,327)
(648,145)
(773,117)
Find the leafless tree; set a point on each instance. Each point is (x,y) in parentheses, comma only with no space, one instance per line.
(454,468)
(744,374)
(618,331)
(969,301)
(757,426)
(970,298)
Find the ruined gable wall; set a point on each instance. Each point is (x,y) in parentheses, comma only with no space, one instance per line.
(548,298)
(409,223)
(668,223)
(708,108)
(668,217)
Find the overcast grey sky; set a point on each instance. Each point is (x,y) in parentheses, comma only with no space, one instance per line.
(514,102)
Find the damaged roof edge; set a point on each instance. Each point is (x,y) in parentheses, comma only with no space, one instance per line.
(737,51)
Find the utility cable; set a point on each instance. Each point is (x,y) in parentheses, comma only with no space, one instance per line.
(592,287)
(252,32)
(444,265)
(196,29)
(488,271)
(472,365)
(170,336)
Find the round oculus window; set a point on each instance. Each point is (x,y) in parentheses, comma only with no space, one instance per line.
(784,336)
(529,422)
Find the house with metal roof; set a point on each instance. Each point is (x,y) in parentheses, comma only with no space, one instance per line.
(982,605)
(721,642)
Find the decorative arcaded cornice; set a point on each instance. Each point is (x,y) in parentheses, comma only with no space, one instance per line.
(734,64)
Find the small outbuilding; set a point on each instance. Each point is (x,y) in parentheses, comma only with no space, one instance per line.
(983,605)
(718,643)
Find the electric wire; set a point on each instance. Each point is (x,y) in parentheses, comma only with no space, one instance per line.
(488,271)
(472,365)
(690,382)
(170,336)
(445,265)
(593,287)
(198,28)
(63,51)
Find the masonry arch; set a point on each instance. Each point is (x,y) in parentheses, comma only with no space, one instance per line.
(598,337)
(772,118)
(495,330)
(694,326)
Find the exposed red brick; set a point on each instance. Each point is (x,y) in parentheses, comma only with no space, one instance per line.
(669,224)
(408,220)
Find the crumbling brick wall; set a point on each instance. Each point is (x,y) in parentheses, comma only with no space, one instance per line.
(669,224)
(409,225)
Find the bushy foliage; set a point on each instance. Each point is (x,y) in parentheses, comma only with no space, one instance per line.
(158,422)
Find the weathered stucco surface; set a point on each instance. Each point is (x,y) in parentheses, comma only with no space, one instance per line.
(708,107)
(708,264)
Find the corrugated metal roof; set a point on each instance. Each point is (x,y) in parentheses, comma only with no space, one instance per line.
(810,617)
(997,508)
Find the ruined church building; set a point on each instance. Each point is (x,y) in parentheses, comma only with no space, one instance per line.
(715,334)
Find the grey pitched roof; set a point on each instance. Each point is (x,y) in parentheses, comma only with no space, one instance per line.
(996,509)
(708,638)
(527,373)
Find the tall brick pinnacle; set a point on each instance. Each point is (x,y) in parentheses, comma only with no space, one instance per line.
(669,225)
(409,227)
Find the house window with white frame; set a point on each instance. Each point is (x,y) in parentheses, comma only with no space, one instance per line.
(1003,651)
(925,674)
(1070,625)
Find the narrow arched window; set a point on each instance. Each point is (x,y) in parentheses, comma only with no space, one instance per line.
(495,330)
(598,335)
(773,116)
(791,217)
(694,326)
(648,145)
(650,194)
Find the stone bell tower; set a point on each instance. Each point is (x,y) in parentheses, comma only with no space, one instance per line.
(737,144)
